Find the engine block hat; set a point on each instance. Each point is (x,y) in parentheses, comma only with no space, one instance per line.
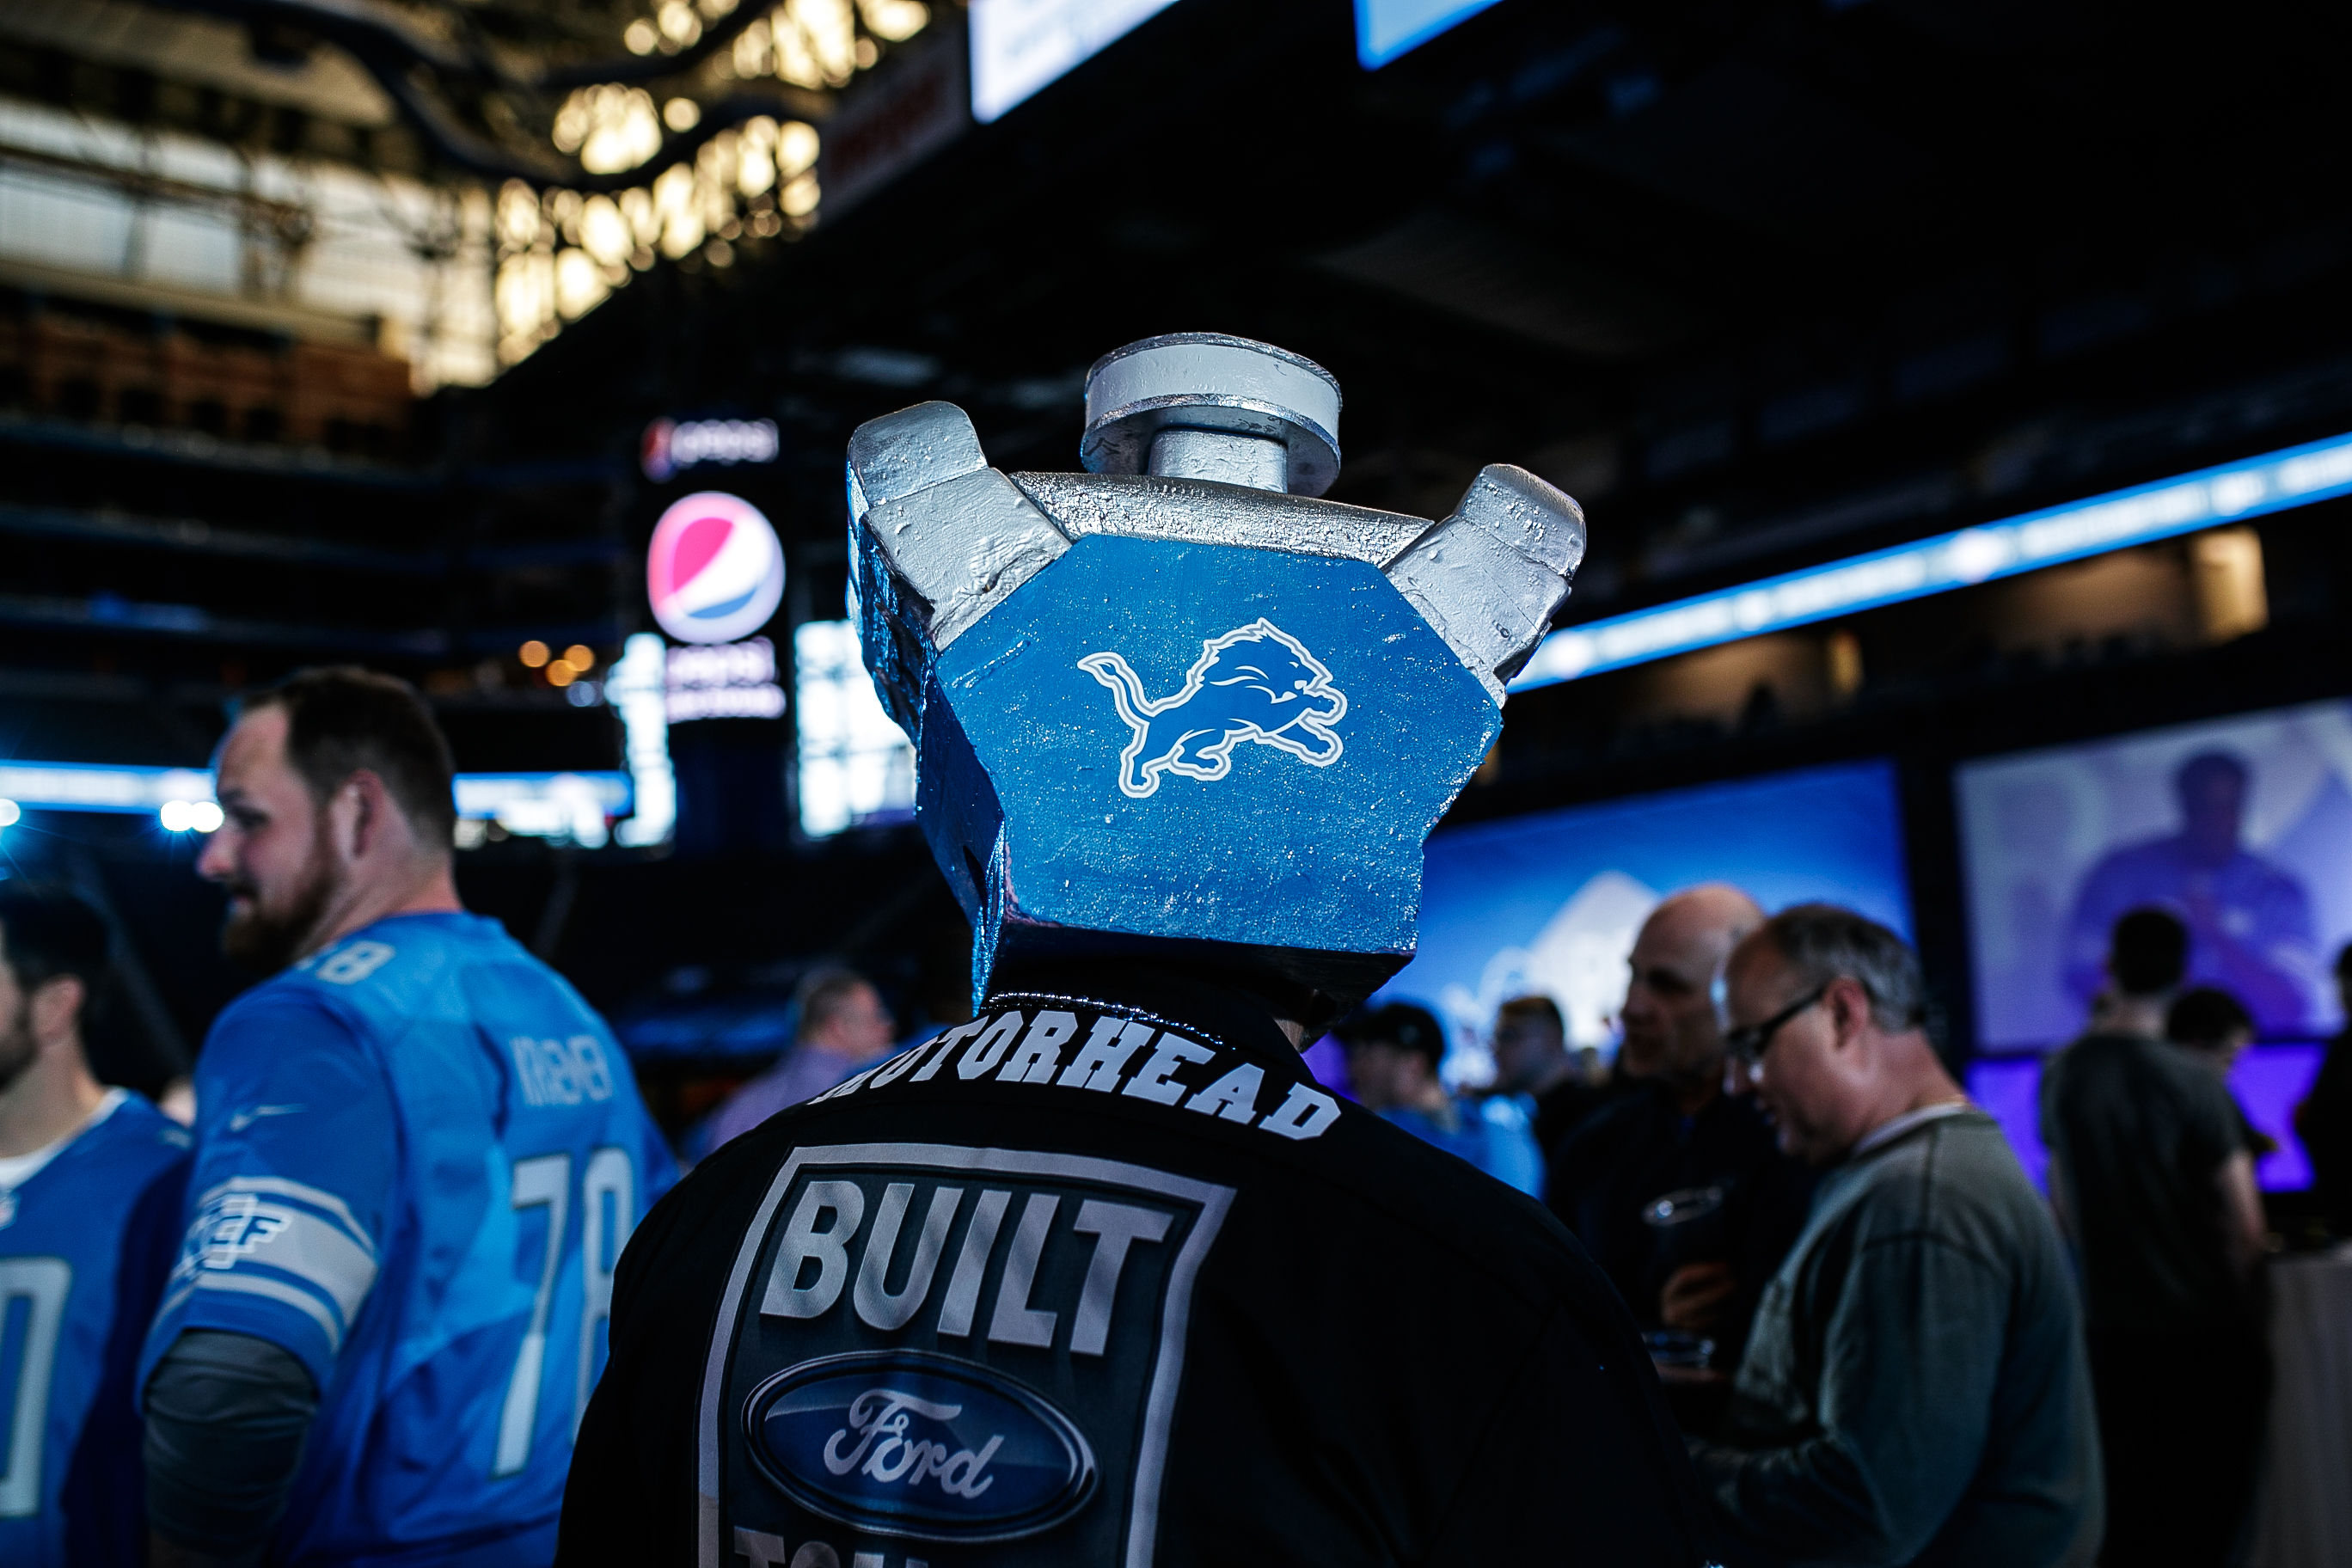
(1175,706)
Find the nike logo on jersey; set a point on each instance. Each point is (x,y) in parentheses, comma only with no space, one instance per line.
(245,1118)
(1108,1053)
(969,1347)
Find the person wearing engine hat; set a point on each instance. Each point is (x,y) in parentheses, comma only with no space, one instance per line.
(1104,1275)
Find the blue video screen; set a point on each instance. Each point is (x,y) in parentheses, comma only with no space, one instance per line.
(2267,1081)
(2241,827)
(1549,904)
(1387,28)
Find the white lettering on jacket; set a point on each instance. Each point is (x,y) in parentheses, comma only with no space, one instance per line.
(1116,1055)
(827,1242)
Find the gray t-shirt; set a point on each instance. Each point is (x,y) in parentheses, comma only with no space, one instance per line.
(1916,1388)
(2137,1135)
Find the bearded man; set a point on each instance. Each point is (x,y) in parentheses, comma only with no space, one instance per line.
(418,1155)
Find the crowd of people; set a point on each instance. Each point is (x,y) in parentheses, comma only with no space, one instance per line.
(1869,1329)
(286,1334)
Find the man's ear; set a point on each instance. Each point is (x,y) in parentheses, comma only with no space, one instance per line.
(373,814)
(1849,1007)
(57,1003)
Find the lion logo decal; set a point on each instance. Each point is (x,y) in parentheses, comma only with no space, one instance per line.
(1256,683)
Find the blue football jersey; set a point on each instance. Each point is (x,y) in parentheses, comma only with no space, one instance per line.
(85,1243)
(419,1156)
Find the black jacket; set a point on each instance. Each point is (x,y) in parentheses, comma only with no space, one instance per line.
(1640,1148)
(1148,1296)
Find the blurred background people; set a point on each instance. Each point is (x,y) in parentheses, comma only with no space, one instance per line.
(2215,1029)
(2212,1024)
(1914,1388)
(2151,1176)
(1394,1052)
(2324,1119)
(1557,1089)
(2249,919)
(419,1156)
(844,1027)
(1676,1134)
(92,1180)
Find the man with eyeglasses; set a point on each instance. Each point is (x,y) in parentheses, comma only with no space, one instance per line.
(1916,1388)
(1677,1136)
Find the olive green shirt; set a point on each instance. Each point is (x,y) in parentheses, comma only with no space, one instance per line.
(1916,1388)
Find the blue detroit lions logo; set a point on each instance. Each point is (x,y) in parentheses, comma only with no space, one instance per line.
(1256,683)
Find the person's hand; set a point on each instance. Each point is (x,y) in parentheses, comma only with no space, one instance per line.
(1698,1296)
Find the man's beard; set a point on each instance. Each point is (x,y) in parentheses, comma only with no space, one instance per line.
(269,938)
(18,1049)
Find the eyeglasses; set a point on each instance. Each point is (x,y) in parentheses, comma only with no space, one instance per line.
(1750,1044)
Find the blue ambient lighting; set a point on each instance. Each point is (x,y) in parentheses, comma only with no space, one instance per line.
(177,792)
(2117,520)
(1387,28)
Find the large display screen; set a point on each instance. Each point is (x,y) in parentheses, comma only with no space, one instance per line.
(1550,903)
(1018,47)
(2241,827)
(1387,28)
(2268,1082)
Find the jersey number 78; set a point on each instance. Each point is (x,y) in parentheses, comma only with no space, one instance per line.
(608,1195)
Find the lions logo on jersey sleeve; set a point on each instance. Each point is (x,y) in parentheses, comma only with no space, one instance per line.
(933,1355)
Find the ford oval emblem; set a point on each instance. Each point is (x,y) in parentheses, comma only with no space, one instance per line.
(907,1443)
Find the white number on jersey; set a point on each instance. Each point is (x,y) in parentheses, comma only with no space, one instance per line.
(42,1283)
(608,1202)
(355,962)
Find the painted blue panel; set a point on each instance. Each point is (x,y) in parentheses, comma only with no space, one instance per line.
(1200,742)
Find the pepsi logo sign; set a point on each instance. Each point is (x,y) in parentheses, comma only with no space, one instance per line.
(910,1444)
(715,571)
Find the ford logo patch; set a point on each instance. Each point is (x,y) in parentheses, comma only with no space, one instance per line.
(905,1443)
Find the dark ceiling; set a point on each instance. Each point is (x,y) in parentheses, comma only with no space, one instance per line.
(1762,284)
(1759,282)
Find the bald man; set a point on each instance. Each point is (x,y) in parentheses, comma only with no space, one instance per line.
(1739,1201)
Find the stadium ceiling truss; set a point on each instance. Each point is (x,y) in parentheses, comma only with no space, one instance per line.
(474,96)
(608,134)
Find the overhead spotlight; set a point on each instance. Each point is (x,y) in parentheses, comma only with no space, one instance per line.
(9,813)
(580,658)
(534,653)
(176,815)
(205,816)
